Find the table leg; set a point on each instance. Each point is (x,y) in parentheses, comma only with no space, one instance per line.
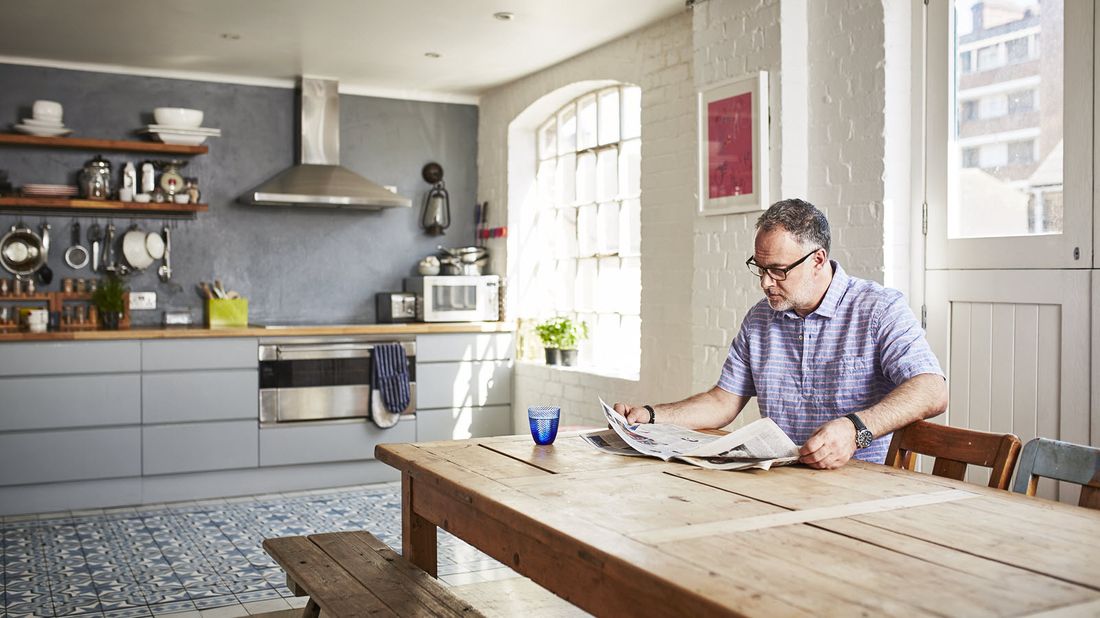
(418,544)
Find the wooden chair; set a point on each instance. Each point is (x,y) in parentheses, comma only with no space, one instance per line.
(954,449)
(1062,461)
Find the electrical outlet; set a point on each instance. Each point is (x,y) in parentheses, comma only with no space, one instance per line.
(143,300)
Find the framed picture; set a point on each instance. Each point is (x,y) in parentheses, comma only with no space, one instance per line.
(733,146)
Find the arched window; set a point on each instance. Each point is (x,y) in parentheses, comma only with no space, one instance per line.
(585,245)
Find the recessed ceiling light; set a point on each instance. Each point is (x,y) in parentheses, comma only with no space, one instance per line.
(432,55)
(231,36)
(504,16)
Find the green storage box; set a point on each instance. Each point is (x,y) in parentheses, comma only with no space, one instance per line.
(227,313)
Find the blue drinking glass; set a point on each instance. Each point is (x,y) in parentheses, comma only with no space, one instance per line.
(544,423)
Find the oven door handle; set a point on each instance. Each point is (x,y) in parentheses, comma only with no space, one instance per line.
(323,351)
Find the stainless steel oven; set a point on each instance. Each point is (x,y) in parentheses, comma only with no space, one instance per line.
(324,378)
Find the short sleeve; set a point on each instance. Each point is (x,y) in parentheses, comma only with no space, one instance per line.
(736,375)
(903,347)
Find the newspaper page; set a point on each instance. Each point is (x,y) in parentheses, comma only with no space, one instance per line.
(760,444)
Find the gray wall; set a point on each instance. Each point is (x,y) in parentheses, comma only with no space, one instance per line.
(294,264)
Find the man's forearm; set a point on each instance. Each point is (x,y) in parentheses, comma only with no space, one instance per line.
(922,396)
(707,410)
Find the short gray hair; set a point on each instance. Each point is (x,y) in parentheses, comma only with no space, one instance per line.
(799,217)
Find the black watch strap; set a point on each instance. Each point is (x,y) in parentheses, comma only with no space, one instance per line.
(864,437)
(652,414)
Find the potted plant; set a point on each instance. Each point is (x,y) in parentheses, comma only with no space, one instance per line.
(109,299)
(548,334)
(570,334)
(559,338)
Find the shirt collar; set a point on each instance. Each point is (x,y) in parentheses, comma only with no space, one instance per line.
(837,287)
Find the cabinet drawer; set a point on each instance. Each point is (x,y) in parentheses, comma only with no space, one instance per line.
(198,447)
(464,347)
(457,385)
(54,358)
(187,396)
(462,423)
(71,455)
(337,441)
(176,354)
(70,401)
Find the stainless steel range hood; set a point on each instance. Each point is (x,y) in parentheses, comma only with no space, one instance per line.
(318,179)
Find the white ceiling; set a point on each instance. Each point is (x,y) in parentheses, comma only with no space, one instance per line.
(372,46)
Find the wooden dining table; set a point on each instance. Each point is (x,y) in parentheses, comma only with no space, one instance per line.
(636,536)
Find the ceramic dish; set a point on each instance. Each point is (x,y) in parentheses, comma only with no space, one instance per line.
(42,131)
(134,249)
(37,122)
(179,139)
(154,244)
(178,116)
(154,128)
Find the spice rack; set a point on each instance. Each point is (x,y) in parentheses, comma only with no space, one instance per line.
(55,302)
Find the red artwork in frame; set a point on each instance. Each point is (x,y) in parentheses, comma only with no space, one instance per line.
(729,143)
(733,146)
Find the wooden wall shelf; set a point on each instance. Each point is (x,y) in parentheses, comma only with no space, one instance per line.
(57,204)
(84,143)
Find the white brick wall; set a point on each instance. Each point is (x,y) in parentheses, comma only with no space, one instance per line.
(836,98)
(659,60)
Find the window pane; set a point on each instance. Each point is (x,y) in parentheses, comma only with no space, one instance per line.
(566,175)
(630,228)
(566,277)
(607,228)
(586,178)
(607,174)
(632,112)
(608,339)
(567,130)
(586,354)
(630,286)
(609,116)
(630,168)
(546,182)
(1006,155)
(586,230)
(586,122)
(565,246)
(586,285)
(607,284)
(630,344)
(548,139)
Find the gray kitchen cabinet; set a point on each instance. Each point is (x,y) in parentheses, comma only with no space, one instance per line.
(69,455)
(464,347)
(328,441)
(184,354)
(55,402)
(462,423)
(66,358)
(195,447)
(186,396)
(455,385)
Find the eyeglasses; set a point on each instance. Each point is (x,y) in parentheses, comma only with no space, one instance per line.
(777,274)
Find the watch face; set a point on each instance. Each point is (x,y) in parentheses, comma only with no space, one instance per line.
(863,438)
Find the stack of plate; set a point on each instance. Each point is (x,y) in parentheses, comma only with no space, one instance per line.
(184,136)
(49,191)
(42,128)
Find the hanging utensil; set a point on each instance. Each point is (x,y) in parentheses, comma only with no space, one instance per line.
(21,251)
(109,261)
(435,216)
(165,270)
(44,272)
(95,234)
(76,256)
(134,250)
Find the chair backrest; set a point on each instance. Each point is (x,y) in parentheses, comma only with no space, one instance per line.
(1062,461)
(954,449)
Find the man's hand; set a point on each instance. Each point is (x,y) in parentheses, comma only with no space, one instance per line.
(634,414)
(831,446)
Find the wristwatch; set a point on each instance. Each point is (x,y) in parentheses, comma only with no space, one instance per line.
(863,435)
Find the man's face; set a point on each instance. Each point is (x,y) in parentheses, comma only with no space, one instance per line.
(778,248)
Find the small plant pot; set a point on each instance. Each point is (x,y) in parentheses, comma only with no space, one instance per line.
(110,319)
(552,356)
(568,358)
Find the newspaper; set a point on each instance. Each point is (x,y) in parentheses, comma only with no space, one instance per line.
(760,444)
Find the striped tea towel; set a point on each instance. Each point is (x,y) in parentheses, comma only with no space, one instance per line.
(391,376)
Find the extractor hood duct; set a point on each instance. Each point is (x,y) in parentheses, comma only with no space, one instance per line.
(318,179)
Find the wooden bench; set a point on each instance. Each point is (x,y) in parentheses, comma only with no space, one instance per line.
(355,574)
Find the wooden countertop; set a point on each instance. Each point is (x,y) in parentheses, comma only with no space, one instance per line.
(416,328)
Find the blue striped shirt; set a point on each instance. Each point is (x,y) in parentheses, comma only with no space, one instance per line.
(856,347)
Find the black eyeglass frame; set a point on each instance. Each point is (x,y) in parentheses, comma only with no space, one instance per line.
(759,270)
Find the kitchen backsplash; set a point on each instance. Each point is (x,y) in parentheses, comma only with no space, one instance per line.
(294,264)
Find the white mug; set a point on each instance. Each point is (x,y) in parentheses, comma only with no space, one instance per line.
(47,110)
(38,316)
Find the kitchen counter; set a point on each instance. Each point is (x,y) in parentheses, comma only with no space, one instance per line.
(413,328)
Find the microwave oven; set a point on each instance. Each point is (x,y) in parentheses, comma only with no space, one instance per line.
(456,298)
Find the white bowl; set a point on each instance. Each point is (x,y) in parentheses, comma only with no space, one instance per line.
(143,198)
(180,139)
(46,110)
(181,198)
(178,116)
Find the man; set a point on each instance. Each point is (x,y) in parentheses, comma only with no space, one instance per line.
(837,362)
